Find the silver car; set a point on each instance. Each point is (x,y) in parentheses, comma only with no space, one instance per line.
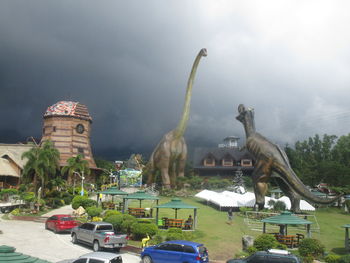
(96,257)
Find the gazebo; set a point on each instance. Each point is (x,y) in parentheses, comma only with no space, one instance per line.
(111,191)
(346,243)
(284,219)
(8,254)
(139,195)
(177,204)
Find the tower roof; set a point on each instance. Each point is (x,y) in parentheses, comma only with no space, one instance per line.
(69,109)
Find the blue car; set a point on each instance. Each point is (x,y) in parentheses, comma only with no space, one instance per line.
(176,251)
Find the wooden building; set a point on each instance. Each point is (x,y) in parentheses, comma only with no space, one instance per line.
(68,125)
(11,163)
(224,160)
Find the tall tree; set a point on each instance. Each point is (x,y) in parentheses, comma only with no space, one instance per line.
(43,162)
(75,164)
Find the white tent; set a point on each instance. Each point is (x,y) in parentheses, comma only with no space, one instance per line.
(305,206)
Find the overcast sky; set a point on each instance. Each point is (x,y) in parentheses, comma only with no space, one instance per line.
(129,62)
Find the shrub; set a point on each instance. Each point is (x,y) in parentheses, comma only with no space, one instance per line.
(174,236)
(332,258)
(54,202)
(78,201)
(344,259)
(15,212)
(265,242)
(310,247)
(88,203)
(116,221)
(128,221)
(251,250)
(279,206)
(28,196)
(94,211)
(174,230)
(156,239)
(96,219)
(110,213)
(140,230)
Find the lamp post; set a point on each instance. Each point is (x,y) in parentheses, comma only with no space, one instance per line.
(82,181)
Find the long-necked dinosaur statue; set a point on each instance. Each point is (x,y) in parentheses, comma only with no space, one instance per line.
(272,161)
(170,155)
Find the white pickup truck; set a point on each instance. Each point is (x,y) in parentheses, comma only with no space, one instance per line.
(99,235)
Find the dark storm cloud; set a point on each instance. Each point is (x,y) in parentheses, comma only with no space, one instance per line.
(129,63)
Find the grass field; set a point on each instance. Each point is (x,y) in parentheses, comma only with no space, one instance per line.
(224,241)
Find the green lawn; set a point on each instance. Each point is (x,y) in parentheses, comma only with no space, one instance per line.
(224,241)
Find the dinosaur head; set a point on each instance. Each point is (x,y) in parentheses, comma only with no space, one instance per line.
(246,116)
(244,113)
(203,52)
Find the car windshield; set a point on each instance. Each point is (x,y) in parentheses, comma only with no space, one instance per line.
(116,260)
(104,228)
(67,218)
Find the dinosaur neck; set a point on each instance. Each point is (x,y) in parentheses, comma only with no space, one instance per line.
(249,128)
(181,127)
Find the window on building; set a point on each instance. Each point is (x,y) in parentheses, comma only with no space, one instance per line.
(227,160)
(246,162)
(54,128)
(209,161)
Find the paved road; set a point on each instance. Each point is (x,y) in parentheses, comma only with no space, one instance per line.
(33,239)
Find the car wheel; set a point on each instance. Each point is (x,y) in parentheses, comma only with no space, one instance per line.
(74,239)
(55,230)
(146,259)
(96,246)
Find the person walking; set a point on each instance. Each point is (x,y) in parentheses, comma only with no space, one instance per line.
(230,216)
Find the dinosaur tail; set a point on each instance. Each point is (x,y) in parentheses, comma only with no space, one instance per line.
(180,129)
(297,185)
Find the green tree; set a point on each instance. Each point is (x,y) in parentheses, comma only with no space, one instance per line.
(75,164)
(42,164)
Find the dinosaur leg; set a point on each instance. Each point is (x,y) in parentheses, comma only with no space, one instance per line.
(260,185)
(172,174)
(293,196)
(164,171)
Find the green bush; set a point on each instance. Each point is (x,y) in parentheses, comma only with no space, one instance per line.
(195,182)
(140,230)
(344,259)
(110,213)
(94,211)
(332,258)
(279,206)
(174,236)
(116,221)
(78,201)
(310,247)
(251,250)
(88,203)
(265,242)
(15,212)
(128,221)
(54,202)
(174,230)
(28,196)
(156,239)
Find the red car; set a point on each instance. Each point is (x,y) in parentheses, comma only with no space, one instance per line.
(60,223)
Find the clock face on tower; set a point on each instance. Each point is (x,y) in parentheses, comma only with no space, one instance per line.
(80,128)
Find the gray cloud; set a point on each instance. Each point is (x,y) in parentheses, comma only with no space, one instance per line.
(129,63)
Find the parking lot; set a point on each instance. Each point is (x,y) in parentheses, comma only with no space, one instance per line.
(33,239)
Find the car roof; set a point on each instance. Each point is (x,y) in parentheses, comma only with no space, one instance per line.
(99,223)
(100,255)
(62,215)
(184,242)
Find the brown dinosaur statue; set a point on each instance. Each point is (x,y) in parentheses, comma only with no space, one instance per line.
(169,156)
(272,161)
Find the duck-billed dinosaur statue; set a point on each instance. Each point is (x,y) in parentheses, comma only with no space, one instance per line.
(170,155)
(272,161)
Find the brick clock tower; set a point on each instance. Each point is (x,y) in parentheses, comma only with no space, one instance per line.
(68,125)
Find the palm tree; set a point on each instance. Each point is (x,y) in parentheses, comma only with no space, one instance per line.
(75,164)
(43,162)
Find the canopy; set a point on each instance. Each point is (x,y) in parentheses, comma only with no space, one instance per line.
(141,195)
(8,255)
(284,219)
(305,206)
(176,204)
(113,191)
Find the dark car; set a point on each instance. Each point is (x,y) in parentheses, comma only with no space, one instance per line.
(272,255)
(176,251)
(60,223)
